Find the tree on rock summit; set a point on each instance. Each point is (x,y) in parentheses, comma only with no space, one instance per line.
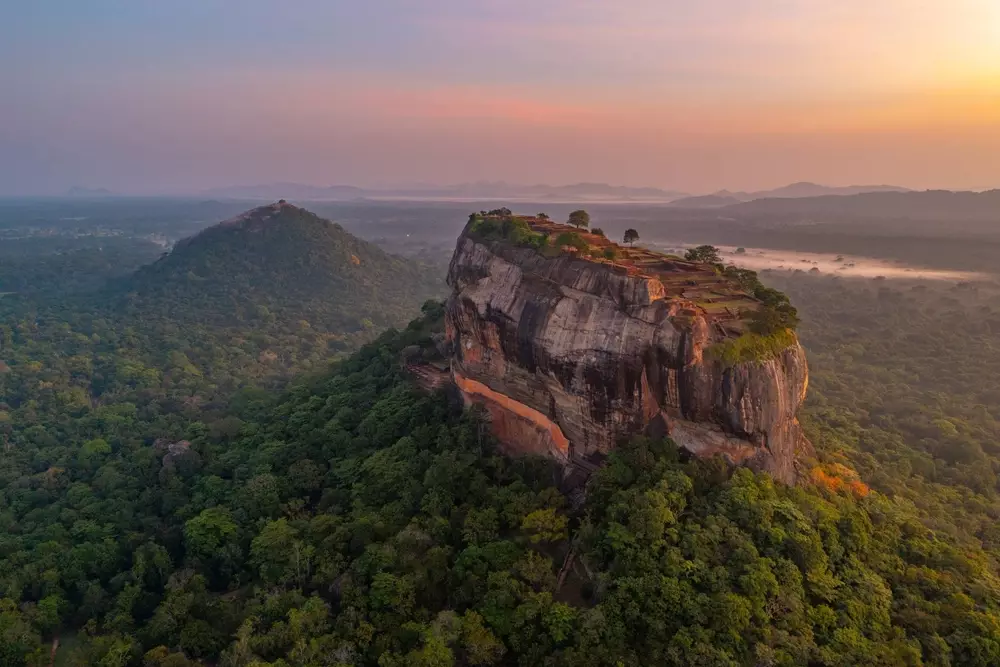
(579,219)
(707,254)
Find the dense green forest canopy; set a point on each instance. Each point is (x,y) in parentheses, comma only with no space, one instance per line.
(354,520)
(905,387)
(164,501)
(58,267)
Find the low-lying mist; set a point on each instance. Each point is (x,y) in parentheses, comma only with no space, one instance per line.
(848,266)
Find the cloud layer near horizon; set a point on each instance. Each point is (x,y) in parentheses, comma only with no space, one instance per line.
(169,97)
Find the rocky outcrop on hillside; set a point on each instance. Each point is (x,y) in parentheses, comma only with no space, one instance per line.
(569,355)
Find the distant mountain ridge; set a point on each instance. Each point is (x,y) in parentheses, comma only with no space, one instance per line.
(281,263)
(807,189)
(477,190)
(487,190)
(927,205)
(273,191)
(799,190)
(717,200)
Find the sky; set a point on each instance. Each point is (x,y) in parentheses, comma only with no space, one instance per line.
(147,96)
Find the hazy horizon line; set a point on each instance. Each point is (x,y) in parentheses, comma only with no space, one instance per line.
(83,191)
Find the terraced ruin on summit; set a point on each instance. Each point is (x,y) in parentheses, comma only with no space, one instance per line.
(724,303)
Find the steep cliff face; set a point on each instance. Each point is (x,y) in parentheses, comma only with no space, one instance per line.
(570,355)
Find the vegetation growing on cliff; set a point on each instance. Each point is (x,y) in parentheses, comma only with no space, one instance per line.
(770,328)
(572,240)
(776,313)
(501,224)
(752,347)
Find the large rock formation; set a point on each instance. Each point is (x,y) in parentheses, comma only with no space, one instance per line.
(569,355)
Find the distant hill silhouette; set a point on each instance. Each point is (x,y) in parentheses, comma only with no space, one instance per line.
(281,262)
(273,191)
(806,189)
(477,190)
(501,190)
(927,205)
(706,201)
(792,191)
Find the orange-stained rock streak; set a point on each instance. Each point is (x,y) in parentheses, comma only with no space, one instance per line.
(521,429)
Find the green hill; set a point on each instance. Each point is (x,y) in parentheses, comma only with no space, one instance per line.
(282,263)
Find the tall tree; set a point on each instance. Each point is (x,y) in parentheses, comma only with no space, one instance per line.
(631,236)
(579,219)
(707,254)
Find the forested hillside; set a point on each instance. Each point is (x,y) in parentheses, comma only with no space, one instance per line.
(355,520)
(245,304)
(281,262)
